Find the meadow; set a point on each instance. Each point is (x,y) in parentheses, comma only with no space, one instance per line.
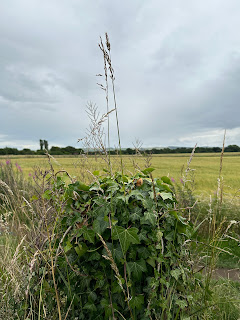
(205,168)
(34,215)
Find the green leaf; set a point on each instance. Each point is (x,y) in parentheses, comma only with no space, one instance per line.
(181,227)
(94,256)
(181,303)
(136,214)
(166,195)
(123,198)
(137,194)
(88,234)
(90,306)
(123,178)
(68,246)
(83,187)
(112,186)
(81,249)
(149,218)
(47,194)
(170,236)
(175,214)
(151,261)
(176,273)
(137,302)
(143,235)
(96,173)
(104,303)
(165,187)
(148,203)
(34,197)
(143,252)
(100,224)
(137,268)
(166,180)
(125,236)
(148,170)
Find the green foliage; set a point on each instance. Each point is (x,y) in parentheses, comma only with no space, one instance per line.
(120,249)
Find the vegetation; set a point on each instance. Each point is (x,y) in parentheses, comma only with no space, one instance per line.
(205,174)
(69,150)
(114,244)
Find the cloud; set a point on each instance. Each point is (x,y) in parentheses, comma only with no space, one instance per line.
(176,67)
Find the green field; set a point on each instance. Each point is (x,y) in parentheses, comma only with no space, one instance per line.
(206,167)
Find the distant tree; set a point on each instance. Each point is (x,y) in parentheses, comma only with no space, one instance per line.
(7,150)
(45,144)
(130,151)
(70,150)
(232,148)
(26,151)
(41,144)
(56,150)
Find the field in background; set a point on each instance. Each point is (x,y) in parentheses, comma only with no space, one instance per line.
(206,167)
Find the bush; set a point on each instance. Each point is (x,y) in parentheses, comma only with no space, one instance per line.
(119,249)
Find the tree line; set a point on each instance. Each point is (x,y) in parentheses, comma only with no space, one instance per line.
(69,150)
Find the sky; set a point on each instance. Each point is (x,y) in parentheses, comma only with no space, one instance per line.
(176,64)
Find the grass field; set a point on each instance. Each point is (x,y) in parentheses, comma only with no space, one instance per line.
(206,167)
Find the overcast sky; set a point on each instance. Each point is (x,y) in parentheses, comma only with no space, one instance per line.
(177,69)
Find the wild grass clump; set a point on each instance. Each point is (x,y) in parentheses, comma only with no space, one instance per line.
(13,256)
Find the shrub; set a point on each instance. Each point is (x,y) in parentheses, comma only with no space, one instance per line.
(119,251)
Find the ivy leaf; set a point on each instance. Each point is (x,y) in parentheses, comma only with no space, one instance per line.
(137,302)
(88,234)
(116,251)
(137,268)
(136,214)
(94,256)
(166,195)
(143,235)
(123,198)
(149,218)
(81,249)
(151,261)
(137,194)
(90,306)
(112,187)
(125,236)
(143,252)
(101,206)
(148,203)
(100,224)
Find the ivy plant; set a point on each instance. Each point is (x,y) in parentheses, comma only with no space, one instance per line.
(120,250)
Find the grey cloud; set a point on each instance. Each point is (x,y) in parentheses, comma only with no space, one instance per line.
(176,73)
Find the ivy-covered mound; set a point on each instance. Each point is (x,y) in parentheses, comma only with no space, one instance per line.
(121,253)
